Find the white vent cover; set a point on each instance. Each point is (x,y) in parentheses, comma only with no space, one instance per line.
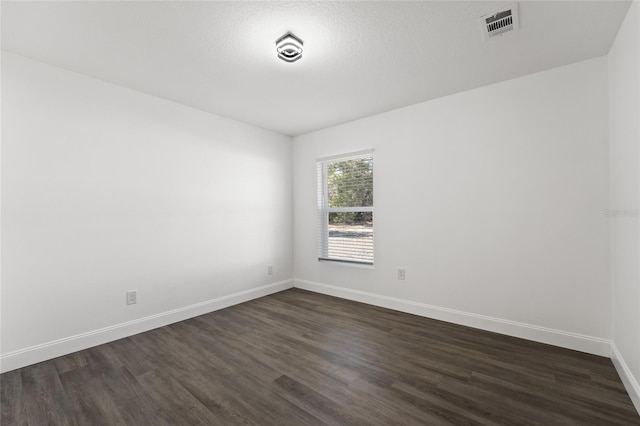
(498,23)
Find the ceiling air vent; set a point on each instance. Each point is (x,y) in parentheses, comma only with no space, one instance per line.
(500,22)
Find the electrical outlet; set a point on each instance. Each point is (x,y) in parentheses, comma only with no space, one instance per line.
(401,273)
(132,297)
(270,270)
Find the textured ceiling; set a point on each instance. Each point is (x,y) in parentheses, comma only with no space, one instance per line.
(360,58)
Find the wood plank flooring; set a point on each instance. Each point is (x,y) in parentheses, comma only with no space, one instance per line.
(301,358)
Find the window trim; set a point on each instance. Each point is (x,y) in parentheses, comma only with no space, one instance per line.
(323,209)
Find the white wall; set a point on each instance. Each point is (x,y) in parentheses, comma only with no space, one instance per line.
(492,199)
(624,135)
(105,190)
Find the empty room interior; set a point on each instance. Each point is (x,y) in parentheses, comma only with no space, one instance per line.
(319,212)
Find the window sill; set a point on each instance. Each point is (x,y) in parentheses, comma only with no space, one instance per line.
(347,263)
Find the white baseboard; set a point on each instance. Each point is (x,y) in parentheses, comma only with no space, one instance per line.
(578,342)
(629,381)
(38,353)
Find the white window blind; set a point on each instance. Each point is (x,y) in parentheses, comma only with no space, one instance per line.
(345,208)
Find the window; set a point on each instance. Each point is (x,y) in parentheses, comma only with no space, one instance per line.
(345,208)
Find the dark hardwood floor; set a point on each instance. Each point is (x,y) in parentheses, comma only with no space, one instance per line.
(300,358)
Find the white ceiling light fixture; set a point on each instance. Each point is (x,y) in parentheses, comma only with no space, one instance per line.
(289,47)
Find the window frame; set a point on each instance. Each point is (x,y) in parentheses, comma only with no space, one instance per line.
(323,209)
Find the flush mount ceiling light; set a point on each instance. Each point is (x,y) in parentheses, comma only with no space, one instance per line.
(289,48)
